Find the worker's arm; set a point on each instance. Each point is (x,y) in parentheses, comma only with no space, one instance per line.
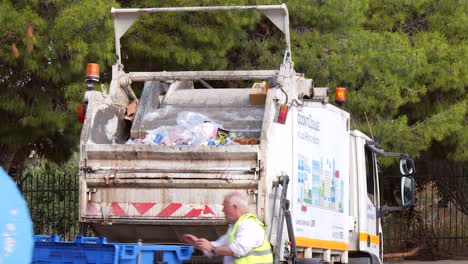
(208,246)
(223,251)
(190,239)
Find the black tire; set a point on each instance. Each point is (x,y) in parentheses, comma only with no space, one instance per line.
(83,229)
(310,261)
(360,260)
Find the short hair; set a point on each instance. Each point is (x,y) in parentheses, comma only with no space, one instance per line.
(239,199)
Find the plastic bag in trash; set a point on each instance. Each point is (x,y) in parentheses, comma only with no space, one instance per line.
(193,129)
(192,119)
(157,136)
(173,135)
(183,136)
(206,131)
(134,141)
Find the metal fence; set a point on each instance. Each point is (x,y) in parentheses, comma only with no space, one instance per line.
(438,224)
(53,202)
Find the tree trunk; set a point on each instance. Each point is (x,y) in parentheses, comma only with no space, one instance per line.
(13,161)
(7,154)
(410,253)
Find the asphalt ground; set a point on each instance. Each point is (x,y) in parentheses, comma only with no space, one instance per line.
(447,261)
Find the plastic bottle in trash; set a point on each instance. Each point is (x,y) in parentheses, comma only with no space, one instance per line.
(158,139)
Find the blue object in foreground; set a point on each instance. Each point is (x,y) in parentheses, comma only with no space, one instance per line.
(16,229)
(96,250)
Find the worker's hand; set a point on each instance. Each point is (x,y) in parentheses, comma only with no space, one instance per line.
(190,239)
(203,244)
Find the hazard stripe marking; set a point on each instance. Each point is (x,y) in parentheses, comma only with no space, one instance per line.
(194,213)
(208,210)
(152,209)
(117,210)
(91,209)
(142,208)
(169,210)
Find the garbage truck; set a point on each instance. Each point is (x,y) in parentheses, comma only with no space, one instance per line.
(156,166)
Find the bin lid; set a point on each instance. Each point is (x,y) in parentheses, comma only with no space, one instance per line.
(16,241)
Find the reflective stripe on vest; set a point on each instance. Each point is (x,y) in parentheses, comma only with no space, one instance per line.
(258,255)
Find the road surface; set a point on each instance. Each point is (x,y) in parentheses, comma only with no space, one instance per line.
(426,262)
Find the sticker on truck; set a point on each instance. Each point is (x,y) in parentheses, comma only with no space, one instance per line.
(320,178)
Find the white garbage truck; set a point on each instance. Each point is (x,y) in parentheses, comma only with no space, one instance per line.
(312,180)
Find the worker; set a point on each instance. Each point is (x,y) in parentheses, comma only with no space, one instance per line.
(245,241)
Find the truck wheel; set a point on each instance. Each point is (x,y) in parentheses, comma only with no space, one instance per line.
(310,261)
(360,260)
(83,229)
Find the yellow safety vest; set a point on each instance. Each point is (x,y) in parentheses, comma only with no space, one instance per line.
(261,254)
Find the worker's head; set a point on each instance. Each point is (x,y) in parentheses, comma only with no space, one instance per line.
(235,204)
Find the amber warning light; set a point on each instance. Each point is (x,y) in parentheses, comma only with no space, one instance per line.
(340,96)
(92,75)
(92,72)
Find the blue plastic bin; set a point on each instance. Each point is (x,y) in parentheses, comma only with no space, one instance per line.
(96,250)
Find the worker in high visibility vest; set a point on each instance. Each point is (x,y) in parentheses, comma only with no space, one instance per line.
(245,242)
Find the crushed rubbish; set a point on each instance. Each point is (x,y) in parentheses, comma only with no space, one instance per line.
(193,129)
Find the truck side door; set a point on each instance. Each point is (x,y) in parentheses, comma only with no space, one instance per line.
(369,228)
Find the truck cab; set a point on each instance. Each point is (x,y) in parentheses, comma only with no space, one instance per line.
(367,245)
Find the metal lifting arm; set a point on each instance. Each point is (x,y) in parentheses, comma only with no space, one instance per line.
(200,75)
(284,214)
(124,18)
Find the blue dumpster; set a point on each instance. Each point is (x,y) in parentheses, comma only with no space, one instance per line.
(96,250)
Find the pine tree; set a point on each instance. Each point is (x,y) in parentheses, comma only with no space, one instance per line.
(436,30)
(44,48)
(403,62)
(185,40)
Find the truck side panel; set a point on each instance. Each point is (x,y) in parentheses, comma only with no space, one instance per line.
(320,184)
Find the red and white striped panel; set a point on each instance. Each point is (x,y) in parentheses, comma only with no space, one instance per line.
(154,210)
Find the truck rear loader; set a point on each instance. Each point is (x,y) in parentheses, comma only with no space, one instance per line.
(309,177)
